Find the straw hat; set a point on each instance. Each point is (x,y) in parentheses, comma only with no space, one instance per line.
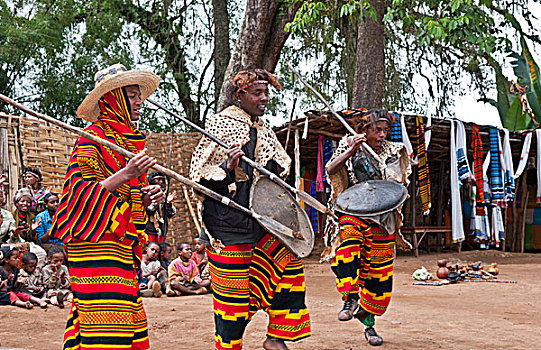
(111,78)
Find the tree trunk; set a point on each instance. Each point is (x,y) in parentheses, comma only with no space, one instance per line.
(222,51)
(370,66)
(261,38)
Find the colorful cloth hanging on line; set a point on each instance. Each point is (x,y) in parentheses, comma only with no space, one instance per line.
(507,168)
(464,172)
(495,171)
(423,174)
(320,187)
(477,146)
(396,130)
(524,155)
(457,226)
(327,155)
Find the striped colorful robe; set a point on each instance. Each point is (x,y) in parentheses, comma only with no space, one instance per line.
(103,232)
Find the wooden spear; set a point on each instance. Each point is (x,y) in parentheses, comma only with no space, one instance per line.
(273,226)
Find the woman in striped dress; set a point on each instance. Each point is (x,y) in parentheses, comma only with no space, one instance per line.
(101,217)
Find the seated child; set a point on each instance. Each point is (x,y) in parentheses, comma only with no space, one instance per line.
(56,278)
(10,279)
(154,276)
(201,259)
(33,282)
(165,254)
(184,275)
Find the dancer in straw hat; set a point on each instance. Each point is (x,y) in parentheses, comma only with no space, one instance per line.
(101,217)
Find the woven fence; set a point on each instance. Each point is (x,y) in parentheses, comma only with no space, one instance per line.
(38,144)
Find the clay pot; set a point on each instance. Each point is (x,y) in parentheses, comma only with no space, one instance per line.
(442,263)
(493,269)
(443,271)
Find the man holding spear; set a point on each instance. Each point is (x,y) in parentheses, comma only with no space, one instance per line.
(101,217)
(250,269)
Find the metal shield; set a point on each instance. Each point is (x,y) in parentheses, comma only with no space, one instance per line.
(371,198)
(270,199)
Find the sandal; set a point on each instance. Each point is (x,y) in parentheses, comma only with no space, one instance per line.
(373,338)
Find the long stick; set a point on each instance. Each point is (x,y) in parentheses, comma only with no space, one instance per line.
(271,224)
(311,201)
(338,116)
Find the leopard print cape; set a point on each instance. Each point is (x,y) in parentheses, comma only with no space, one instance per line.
(232,126)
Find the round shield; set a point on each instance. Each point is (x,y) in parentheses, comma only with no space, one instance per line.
(267,198)
(371,198)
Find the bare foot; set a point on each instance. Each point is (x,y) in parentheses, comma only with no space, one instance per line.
(201,290)
(28,305)
(42,304)
(274,344)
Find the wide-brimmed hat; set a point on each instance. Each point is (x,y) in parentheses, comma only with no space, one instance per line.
(111,78)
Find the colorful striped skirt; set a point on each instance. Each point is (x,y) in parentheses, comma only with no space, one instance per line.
(107,311)
(364,264)
(266,277)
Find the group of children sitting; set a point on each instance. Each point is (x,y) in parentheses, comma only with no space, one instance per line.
(49,284)
(33,285)
(187,274)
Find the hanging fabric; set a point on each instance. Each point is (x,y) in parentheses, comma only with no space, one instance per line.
(477,146)
(538,164)
(524,155)
(428,132)
(320,165)
(457,227)
(464,172)
(396,130)
(423,174)
(496,181)
(405,137)
(478,224)
(507,168)
(327,155)
(497,227)
(486,183)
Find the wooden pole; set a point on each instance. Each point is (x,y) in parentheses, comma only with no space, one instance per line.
(289,124)
(297,161)
(190,208)
(272,225)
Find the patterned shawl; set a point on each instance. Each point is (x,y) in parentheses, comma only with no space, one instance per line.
(232,126)
(423,173)
(87,210)
(496,180)
(477,146)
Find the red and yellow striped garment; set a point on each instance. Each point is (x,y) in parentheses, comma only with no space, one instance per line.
(103,233)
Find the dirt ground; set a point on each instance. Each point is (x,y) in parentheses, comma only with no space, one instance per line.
(461,316)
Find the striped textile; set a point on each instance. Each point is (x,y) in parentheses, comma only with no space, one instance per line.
(464,172)
(103,233)
(508,168)
(244,280)
(364,264)
(327,155)
(495,170)
(477,146)
(396,131)
(423,174)
(320,187)
(313,214)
